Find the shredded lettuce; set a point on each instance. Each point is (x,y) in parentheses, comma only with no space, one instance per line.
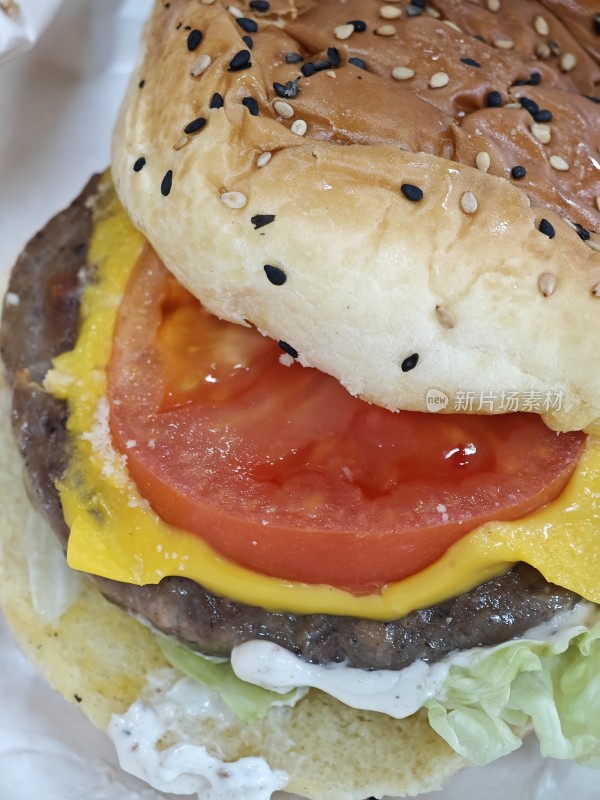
(250,703)
(553,685)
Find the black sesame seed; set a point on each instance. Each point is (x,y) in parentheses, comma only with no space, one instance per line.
(357,62)
(534,79)
(277,277)
(167,183)
(596,24)
(307,70)
(593,99)
(195,125)
(194,39)
(419,3)
(216,100)
(410,362)
(240,61)
(252,105)
(518,172)
(248,41)
(470,62)
(493,100)
(139,164)
(188,28)
(411,192)
(289,90)
(582,232)
(321,65)
(554,46)
(141,84)
(260,5)
(247,25)
(547,229)
(260,220)
(529,105)
(287,348)
(360,26)
(293,58)
(413,10)
(333,54)
(543,115)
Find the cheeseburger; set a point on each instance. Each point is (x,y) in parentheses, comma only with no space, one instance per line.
(307,385)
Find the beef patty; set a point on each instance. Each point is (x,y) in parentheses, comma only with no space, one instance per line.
(40,320)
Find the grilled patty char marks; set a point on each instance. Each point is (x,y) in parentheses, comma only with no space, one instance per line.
(48,280)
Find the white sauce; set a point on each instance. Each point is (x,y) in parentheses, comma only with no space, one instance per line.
(173,707)
(185,767)
(398,693)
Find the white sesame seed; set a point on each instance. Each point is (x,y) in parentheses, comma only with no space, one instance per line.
(483,161)
(595,245)
(331,74)
(541,26)
(433,12)
(445,317)
(504,43)
(235,12)
(12,299)
(547,283)
(493,6)
(403,73)
(543,51)
(559,163)
(201,65)
(439,79)
(390,12)
(567,62)
(468,203)
(385,30)
(284,109)
(264,159)
(452,25)
(234,199)
(207,2)
(541,132)
(343,31)
(299,127)
(598,203)
(181,143)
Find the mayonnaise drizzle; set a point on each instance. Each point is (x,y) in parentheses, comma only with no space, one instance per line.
(398,693)
(185,767)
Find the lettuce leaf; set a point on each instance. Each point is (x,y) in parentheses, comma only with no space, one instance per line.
(553,685)
(248,702)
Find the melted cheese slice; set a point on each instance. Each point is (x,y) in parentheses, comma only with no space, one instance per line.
(115,534)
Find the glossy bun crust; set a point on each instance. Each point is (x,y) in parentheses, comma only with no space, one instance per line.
(376,175)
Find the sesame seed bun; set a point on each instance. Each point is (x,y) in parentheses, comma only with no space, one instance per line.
(409,253)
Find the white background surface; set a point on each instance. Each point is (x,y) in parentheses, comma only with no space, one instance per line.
(57,108)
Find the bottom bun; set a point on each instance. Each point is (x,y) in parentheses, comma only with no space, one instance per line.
(100,657)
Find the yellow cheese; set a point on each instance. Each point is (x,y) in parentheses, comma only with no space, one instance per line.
(115,534)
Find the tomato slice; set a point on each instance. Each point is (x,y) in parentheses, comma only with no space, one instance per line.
(284,472)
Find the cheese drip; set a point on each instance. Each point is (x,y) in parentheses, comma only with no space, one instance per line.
(116,535)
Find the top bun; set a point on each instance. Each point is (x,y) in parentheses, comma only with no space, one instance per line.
(348,188)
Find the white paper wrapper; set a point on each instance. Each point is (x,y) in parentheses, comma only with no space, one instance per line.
(57,105)
(21,24)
